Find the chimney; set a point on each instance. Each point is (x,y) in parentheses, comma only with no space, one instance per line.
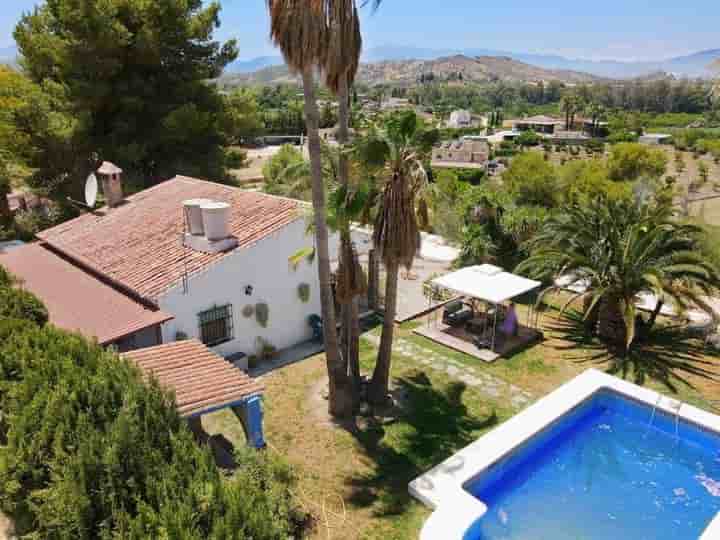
(111,181)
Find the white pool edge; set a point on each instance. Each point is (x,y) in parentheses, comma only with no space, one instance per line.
(455,510)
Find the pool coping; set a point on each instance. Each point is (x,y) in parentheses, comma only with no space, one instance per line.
(455,509)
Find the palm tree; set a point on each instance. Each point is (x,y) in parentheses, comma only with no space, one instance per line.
(340,67)
(596,112)
(300,29)
(569,105)
(620,249)
(397,151)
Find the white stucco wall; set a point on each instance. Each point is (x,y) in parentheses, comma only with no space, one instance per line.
(264,266)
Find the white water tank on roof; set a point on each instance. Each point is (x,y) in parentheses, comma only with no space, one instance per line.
(216,220)
(193,215)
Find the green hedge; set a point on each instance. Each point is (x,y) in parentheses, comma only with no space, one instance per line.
(88,450)
(21,304)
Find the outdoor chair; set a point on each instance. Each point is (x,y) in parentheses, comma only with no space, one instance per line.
(456,314)
(315,322)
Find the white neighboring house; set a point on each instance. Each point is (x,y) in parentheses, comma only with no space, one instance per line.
(143,246)
(460,119)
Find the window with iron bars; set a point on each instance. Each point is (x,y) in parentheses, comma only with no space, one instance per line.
(216,325)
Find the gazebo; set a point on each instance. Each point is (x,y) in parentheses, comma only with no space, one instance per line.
(473,329)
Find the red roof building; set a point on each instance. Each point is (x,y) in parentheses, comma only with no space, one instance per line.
(201,380)
(157,255)
(138,245)
(78,301)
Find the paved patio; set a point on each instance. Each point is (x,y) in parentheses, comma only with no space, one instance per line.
(286,357)
(459,339)
(411,302)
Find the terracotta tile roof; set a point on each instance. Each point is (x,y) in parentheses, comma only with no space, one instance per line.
(202,380)
(138,244)
(75,299)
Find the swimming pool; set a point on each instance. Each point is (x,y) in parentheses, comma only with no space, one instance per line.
(598,459)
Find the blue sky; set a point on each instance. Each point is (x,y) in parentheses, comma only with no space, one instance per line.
(618,29)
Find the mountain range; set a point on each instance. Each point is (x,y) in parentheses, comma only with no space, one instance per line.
(451,68)
(693,65)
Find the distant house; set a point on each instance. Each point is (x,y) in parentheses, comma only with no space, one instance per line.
(469,153)
(184,259)
(460,119)
(540,124)
(395,104)
(464,119)
(655,138)
(597,129)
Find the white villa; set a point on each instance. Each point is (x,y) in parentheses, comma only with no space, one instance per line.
(183,259)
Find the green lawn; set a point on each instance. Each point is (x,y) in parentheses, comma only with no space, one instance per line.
(355,481)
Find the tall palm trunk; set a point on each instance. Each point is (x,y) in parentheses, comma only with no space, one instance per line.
(339,398)
(377,393)
(350,319)
(373,280)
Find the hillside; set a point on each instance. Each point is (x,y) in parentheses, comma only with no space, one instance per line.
(477,69)
(693,65)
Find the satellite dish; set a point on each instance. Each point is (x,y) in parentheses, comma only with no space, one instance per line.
(91,190)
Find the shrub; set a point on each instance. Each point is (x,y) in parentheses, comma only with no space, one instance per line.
(630,161)
(532,180)
(506,149)
(92,451)
(235,159)
(595,146)
(528,138)
(622,136)
(30,222)
(21,304)
(265,349)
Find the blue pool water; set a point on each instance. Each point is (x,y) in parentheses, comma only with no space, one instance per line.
(602,473)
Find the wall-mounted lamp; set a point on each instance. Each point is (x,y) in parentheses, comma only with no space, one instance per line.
(248,290)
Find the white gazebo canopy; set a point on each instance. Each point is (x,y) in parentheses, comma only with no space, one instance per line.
(486,282)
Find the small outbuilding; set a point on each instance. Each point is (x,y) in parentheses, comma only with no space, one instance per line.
(655,138)
(204,382)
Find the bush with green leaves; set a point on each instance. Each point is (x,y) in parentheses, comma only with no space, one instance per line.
(92,450)
(622,136)
(532,180)
(21,304)
(528,138)
(235,159)
(632,161)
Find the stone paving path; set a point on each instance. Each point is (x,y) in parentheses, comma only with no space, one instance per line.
(483,382)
